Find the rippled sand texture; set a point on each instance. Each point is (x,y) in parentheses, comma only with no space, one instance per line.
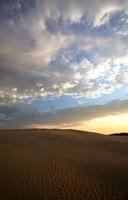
(65,165)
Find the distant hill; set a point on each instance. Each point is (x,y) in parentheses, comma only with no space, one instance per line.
(47,130)
(119,134)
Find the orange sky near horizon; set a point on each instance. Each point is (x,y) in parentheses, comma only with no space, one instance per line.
(106,125)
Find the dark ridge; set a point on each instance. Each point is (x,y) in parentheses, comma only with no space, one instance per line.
(119,134)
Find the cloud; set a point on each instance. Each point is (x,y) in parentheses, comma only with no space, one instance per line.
(83,79)
(19,118)
(74,10)
(42,54)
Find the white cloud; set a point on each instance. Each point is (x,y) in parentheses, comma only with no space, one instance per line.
(104,12)
(73,10)
(67,85)
(27,54)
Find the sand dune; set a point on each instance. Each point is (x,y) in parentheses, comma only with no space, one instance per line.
(119,134)
(65,165)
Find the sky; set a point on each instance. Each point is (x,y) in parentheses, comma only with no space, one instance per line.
(64,64)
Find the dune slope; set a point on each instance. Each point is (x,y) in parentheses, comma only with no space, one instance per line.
(65,165)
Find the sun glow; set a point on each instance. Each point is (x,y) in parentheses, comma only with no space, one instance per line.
(107,124)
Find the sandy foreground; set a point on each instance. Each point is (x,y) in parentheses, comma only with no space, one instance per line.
(65,165)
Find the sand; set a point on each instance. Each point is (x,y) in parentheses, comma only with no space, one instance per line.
(65,165)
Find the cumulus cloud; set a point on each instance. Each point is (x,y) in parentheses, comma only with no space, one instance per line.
(74,9)
(42,54)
